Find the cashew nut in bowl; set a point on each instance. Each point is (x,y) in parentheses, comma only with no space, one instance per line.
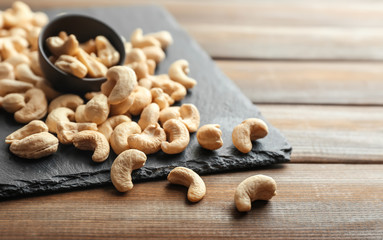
(35,126)
(119,137)
(36,106)
(70,101)
(258,187)
(149,115)
(13,102)
(122,167)
(61,114)
(97,109)
(35,146)
(67,130)
(190,116)
(177,135)
(249,130)
(95,68)
(109,125)
(71,65)
(120,83)
(95,141)
(178,71)
(108,55)
(139,41)
(209,136)
(188,178)
(149,141)
(57,46)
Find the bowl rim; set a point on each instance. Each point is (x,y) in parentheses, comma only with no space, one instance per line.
(69,15)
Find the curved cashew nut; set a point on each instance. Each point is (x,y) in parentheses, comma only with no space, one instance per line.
(142,98)
(70,101)
(190,179)
(6,71)
(58,46)
(135,55)
(190,116)
(24,73)
(169,113)
(258,187)
(13,86)
(178,136)
(120,83)
(35,146)
(149,115)
(146,83)
(71,65)
(139,41)
(209,136)
(106,52)
(13,102)
(79,115)
(122,167)
(35,126)
(95,68)
(178,71)
(89,46)
(61,114)
(141,69)
(34,64)
(155,53)
(164,37)
(249,130)
(149,141)
(175,90)
(32,37)
(122,107)
(18,16)
(92,140)
(162,99)
(35,108)
(40,19)
(17,59)
(119,137)
(108,126)
(97,109)
(67,130)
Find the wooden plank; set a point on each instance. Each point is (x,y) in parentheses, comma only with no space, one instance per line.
(308,82)
(327,201)
(330,133)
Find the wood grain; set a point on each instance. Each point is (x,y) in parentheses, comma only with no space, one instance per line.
(302,82)
(330,133)
(314,201)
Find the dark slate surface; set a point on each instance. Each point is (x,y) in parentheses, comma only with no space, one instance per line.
(217,98)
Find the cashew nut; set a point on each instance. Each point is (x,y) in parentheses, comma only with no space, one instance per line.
(249,130)
(49,92)
(155,53)
(6,71)
(18,59)
(190,116)
(151,66)
(32,37)
(35,146)
(175,90)
(119,137)
(35,108)
(18,16)
(149,141)
(61,114)
(34,64)
(67,130)
(95,68)
(135,55)
(177,135)
(149,115)
(209,136)
(92,140)
(13,102)
(89,46)
(35,126)
(71,65)
(58,47)
(169,113)
(141,69)
(71,101)
(13,86)
(257,187)
(164,37)
(142,98)
(122,107)
(106,52)
(24,73)
(79,115)
(139,41)
(40,19)
(97,109)
(120,83)
(145,82)
(162,99)
(122,167)
(108,126)
(178,71)
(191,180)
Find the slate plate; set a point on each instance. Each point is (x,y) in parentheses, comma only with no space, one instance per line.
(217,98)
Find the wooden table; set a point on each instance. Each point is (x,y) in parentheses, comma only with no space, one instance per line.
(315,70)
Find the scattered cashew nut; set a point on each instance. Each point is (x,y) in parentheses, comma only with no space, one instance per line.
(92,140)
(35,126)
(67,130)
(36,106)
(149,115)
(209,136)
(190,116)
(13,102)
(178,71)
(149,141)
(119,137)
(61,114)
(108,126)
(177,135)
(35,146)
(71,101)
(97,109)
(142,98)
(106,52)
(6,71)
(13,86)
(249,130)
(139,41)
(169,113)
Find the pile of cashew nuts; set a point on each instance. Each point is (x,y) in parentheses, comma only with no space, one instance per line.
(102,120)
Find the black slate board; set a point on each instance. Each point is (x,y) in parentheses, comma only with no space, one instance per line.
(217,98)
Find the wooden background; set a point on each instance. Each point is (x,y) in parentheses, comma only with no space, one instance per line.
(315,70)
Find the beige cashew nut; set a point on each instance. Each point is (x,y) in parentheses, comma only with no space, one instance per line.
(61,114)
(97,109)
(162,99)
(119,137)
(164,37)
(24,73)
(111,123)
(191,180)
(70,101)
(178,71)
(35,126)
(190,116)
(209,136)
(122,167)
(13,86)
(6,71)
(249,130)
(71,65)
(149,115)
(36,106)
(67,130)
(95,141)
(177,135)
(95,68)
(13,102)
(169,113)
(106,52)
(149,141)
(155,53)
(139,41)
(35,146)
(142,98)
(58,46)
(257,187)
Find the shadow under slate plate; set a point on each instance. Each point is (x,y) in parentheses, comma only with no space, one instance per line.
(217,98)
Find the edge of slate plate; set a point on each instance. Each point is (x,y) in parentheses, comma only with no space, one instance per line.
(202,161)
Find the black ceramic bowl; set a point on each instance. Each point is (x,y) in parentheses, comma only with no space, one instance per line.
(84,28)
